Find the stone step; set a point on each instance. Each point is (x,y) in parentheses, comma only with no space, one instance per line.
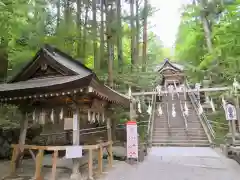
(201,134)
(175,129)
(179,137)
(182,144)
(181,141)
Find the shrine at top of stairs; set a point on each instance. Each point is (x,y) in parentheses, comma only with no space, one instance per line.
(171,72)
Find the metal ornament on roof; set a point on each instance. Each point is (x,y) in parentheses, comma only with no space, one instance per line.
(160,112)
(212,105)
(173,111)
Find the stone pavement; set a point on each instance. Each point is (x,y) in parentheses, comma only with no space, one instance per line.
(178,163)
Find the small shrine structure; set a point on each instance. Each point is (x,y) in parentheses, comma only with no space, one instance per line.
(171,73)
(57,90)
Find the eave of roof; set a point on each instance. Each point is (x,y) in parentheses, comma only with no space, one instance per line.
(84,77)
(173,64)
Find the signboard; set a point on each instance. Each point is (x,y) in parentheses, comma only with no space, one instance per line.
(73,152)
(231,113)
(132,140)
(68,123)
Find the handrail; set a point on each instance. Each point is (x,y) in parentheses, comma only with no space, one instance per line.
(151,120)
(153,116)
(203,119)
(169,125)
(184,116)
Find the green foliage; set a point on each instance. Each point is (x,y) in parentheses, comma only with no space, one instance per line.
(221,65)
(10,116)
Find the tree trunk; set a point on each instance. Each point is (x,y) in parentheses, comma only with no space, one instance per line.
(67,11)
(58,12)
(102,40)
(109,44)
(133,39)
(119,37)
(206,25)
(85,32)
(3,59)
(144,47)
(94,32)
(137,32)
(78,20)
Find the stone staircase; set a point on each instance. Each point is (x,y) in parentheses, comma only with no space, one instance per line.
(173,131)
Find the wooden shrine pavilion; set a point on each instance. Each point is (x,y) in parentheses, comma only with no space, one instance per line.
(53,87)
(171,72)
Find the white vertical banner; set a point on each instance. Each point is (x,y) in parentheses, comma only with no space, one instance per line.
(231,112)
(132,140)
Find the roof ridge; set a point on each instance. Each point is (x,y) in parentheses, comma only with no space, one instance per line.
(53,50)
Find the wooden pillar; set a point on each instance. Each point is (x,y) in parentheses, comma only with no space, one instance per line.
(238,114)
(23,130)
(76,141)
(131,110)
(22,139)
(114,124)
(109,131)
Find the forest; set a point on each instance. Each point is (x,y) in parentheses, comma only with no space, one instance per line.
(114,38)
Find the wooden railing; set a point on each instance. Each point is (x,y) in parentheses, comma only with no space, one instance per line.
(40,154)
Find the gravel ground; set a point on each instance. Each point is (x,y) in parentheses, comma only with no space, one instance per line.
(165,163)
(177,163)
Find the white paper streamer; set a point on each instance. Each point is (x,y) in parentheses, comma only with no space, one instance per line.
(98,117)
(212,105)
(52,116)
(186,109)
(61,114)
(173,110)
(89,116)
(93,120)
(34,115)
(149,110)
(160,110)
(103,117)
(224,103)
(139,107)
(129,92)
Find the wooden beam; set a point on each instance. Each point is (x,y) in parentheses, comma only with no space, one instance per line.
(188,90)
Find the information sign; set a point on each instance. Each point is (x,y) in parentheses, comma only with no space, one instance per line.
(132,140)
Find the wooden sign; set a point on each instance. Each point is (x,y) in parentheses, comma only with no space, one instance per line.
(231,113)
(73,152)
(132,140)
(68,123)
